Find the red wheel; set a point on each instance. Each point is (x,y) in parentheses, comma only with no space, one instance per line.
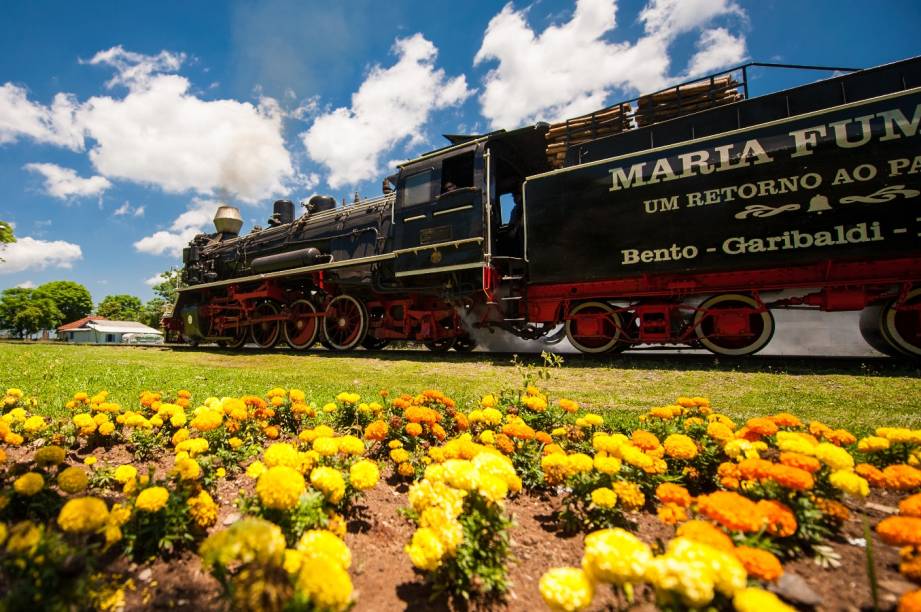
(301,330)
(593,327)
(345,324)
(902,324)
(741,330)
(265,333)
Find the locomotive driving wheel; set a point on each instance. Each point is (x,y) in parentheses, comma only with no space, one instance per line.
(733,325)
(894,328)
(238,336)
(302,328)
(464,344)
(265,333)
(345,324)
(593,327)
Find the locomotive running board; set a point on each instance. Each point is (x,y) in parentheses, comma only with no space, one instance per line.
(329,266)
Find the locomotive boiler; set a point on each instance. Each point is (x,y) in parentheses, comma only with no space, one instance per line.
(679,218)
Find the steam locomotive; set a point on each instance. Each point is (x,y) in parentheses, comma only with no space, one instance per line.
(680,218)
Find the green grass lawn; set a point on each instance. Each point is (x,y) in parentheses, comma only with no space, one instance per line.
(858,393)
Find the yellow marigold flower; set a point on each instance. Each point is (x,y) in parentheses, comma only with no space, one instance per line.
(590,420)
(607,465)
(73,480)
(399,455)
(125,473)
(680,446)
(834,457)
(280,487)
(604,497)
(187,468)
(348,398)
(796,442)
(29,484)
(569,405)
(249,540)
(488,401)
(203,509)
(327,447)
(281,453)
(207,420)
(330,482)
(83,515)
(630,496)
(351,445)
(615,556)
(753,599)
(635,456)
(152,499)
(426,550)
(850,483)
(14,392)
(34,424)
(578,463)
(566,589)
(193,446)
(323,543)
(107,428)
(90,460)
(325,585)
(234,408)
(180,436)
(24,538)
(872,444)
(535,403)
(364,474)
(235,443)
(406,470)
(50,455)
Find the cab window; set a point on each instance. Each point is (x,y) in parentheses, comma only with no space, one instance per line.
(457,172)
(417,188)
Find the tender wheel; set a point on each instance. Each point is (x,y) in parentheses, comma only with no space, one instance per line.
(345,324)
(901,324)
(374,344)
(302,329)
(743,332)
(464,344)
(872,328)
(597,334)
(442,345)
(265,333)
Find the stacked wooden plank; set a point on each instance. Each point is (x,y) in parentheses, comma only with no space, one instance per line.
(581,129)
(686,99)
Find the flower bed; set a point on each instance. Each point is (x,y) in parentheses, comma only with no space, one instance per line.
(287,502)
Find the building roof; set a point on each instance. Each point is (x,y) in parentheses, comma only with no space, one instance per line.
(122,327)
(79,323)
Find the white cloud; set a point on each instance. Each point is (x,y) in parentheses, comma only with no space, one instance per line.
(196,219)
(571,68)
(55,124)
(156,279)
(159,133)
(391,106)
(126,209)
(26,285)
(716,48)
(27,253)
(63,183)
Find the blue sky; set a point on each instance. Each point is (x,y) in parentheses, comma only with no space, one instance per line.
(123,124)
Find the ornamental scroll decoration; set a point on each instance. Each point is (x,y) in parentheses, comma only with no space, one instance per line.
(763,210)
(886,194)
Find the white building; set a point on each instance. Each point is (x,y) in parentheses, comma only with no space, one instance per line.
(95,330)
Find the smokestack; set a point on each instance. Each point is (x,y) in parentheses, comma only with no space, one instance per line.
(227,220)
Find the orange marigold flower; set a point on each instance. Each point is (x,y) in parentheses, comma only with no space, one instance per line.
(461,423)
(376,430)
(759,563)
(755,469)
(911,506)
(505,444)
(413,429)
(780,520)
(791,478)
(910,565)
(873,474)
(720,432)
(900,530)
(518,430)
(543,437)
(645,440)
(731,510)
(761,427)
(670,493)
(840,437)
(803,462)
(271,432)
(785,419)
(671,514)
(910,602)
(706,533)
(833,509)
(818,429)
(680,446)
(729,475)
(402,402)
(902,477)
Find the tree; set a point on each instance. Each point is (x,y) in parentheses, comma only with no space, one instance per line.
(72,299)
(169,288)
(121,307)
(153,312)
(24,313)
(6,234)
